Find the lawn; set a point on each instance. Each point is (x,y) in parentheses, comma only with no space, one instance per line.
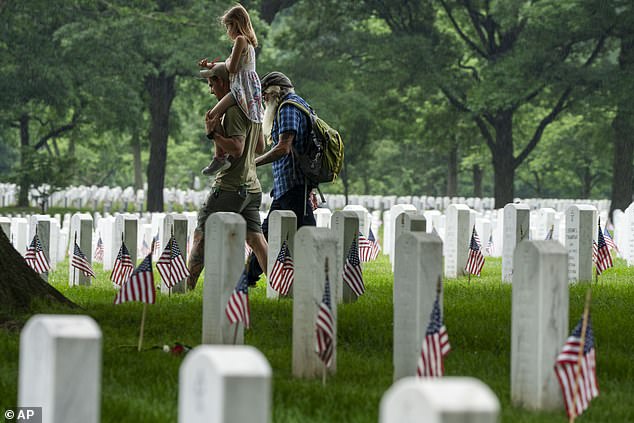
(143,387)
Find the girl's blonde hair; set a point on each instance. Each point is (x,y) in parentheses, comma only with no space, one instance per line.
(239,17)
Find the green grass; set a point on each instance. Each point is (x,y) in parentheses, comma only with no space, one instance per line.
(143,387)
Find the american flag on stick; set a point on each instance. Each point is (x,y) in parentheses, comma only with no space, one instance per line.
(80,262)
(576,367)
(283,271)
(237,309)
(352,273)
(99,251)
(35,257)
(171,265)
(140,286)
(475,260)
(435,344)
(123,266)
(603,257)
(608,239)
(490,248)
(325,326)
(368,247)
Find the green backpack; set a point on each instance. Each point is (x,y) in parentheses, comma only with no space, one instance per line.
(322,159)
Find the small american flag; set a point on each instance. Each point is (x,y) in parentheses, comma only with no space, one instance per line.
(352,273)
(80,262)
(577,375)
(324,327)
(171,265)
(603,256)
(35,257)
(145,249)
(237,309)
(140,286)
(123,266)
(368,247)
(608,239)
(283,271)
(435,346)
(490,248)
(247,250)
(475,261)
(549,235)
(99,251)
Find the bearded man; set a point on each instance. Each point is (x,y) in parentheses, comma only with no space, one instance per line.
(287,128)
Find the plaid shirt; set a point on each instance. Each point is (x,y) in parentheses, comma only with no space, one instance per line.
(285,175)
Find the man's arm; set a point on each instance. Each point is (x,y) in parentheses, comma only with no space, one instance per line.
(233,145)
(280,150)
(259,147)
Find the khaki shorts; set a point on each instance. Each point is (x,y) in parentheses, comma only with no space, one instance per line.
(247,205)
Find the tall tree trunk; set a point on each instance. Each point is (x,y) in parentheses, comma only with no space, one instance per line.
(477,181)
(25,160)
(161,91)
(623,126)
(345,181)
(452,172)
(586,181)
(136,157)
(19,284)
(503,160)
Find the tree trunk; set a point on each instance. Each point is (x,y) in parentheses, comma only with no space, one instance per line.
(345,181)
(477,181)
(623,125)
(622,175)
(452,172)
(136,157)
(25,153)
(503,160)
(19,284)
(586,181)
(161,91)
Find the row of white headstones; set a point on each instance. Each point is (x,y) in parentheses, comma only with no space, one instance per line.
(576,229)
(109,197)
(540,278)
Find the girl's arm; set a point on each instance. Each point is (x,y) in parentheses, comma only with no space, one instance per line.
(233,62)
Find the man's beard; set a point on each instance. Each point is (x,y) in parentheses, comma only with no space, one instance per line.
(270,110)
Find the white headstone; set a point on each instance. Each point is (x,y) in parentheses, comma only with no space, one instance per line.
(443,400)
(81,231)
(539,323)
(580,230)
(175,223)
(314,246)
(345,224)
(20,234)
(516,226)
(41,223)
(322,217)
(224,384)
(457,238)
(60,368)
(389,234)
(364,217)
(225,234)
(282,227)
(417,273)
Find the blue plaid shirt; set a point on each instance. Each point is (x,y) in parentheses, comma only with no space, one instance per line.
(285,174)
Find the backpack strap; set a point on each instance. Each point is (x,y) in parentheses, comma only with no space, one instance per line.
(309,113)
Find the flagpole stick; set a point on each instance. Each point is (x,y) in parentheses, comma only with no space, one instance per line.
(142,326)
(235,333)
(584,327)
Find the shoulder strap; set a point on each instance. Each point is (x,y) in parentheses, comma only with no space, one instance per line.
(296,104)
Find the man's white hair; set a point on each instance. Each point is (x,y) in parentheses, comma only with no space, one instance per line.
(274,93)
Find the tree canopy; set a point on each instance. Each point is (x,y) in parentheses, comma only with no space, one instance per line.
(432,97)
